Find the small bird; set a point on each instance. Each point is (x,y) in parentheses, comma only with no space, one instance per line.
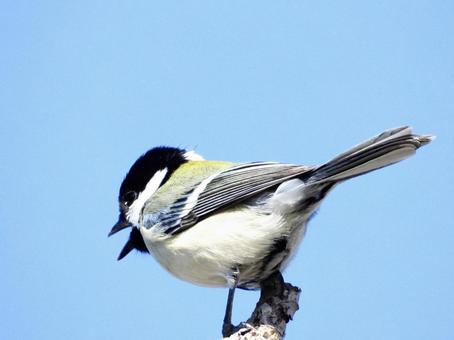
(224,224)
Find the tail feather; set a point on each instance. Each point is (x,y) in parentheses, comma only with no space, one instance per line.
(382,150)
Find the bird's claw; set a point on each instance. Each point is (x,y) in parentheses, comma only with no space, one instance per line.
(228,329)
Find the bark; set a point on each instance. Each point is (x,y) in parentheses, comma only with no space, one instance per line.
(277,304)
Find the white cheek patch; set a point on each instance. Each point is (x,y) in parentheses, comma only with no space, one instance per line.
(133,214)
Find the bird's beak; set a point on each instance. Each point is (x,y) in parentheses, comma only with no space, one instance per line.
(120,225)
(126,250)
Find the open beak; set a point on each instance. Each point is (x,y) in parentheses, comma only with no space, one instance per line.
(135,241)
(120,225)
(126,250)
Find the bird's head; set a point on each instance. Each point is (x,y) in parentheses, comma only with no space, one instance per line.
(149,172)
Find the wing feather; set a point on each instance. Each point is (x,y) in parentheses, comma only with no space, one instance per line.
(224,189)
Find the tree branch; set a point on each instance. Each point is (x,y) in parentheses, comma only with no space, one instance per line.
(277,304)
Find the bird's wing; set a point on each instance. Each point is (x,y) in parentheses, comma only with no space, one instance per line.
(220,190)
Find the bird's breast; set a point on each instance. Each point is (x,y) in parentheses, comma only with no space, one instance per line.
(247,240)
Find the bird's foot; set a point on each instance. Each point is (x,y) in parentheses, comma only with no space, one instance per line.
(228,329)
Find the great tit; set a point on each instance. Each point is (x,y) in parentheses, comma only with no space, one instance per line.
(224,224)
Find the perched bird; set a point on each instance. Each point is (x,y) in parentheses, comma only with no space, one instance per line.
(223,224)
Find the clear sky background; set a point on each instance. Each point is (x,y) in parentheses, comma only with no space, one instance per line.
(87,86)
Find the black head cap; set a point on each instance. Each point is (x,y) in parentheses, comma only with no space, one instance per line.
(135,182)
(145,167)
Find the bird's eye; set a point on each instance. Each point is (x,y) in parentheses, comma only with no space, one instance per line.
(129,197)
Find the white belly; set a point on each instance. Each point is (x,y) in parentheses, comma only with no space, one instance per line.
(211,251)
(237,241)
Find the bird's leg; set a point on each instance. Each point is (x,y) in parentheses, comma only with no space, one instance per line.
(227,327)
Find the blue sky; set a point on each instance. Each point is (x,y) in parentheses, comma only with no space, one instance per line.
(87,86)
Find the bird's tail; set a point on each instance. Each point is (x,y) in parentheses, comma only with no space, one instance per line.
(385,149)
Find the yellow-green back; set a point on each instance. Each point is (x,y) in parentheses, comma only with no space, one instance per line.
(185,178)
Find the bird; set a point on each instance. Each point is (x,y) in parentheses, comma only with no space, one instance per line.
(227,224)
